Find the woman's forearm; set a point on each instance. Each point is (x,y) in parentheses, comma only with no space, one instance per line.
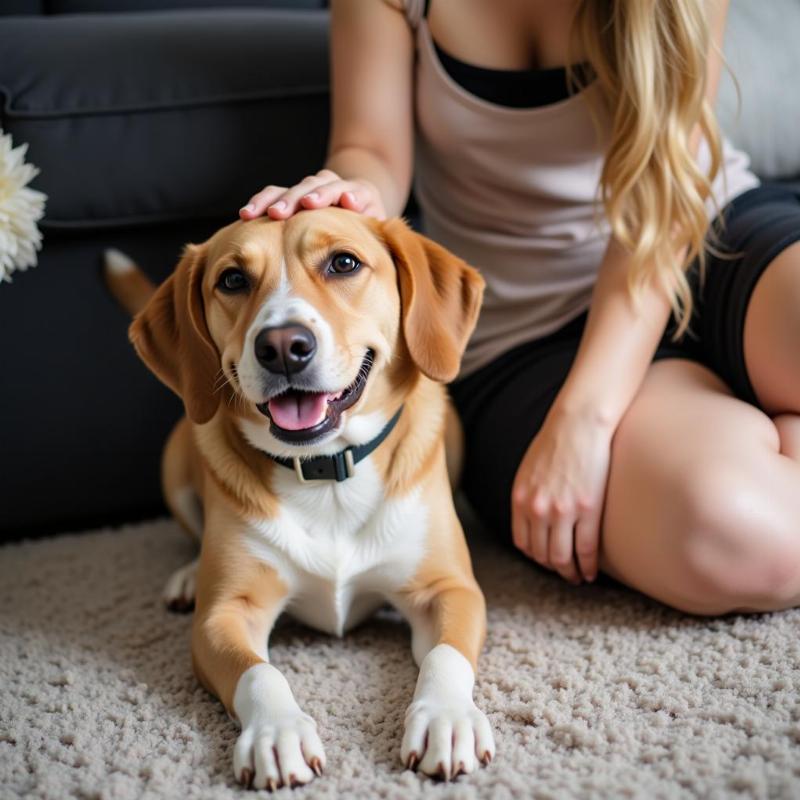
(617,345)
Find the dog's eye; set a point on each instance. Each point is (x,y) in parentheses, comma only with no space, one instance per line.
(343,263)
(233,280)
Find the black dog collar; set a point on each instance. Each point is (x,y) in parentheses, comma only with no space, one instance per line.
(339,466)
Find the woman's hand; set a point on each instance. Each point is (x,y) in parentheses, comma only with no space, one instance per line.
(558,493)
(325,188)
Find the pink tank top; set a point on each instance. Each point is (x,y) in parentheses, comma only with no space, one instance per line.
(514,192)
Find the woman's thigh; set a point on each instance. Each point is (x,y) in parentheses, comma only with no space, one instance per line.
(702,510)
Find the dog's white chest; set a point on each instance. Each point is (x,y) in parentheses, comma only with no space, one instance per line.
(341,547)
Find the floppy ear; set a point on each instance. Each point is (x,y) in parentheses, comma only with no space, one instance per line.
(171,336)
(440,296)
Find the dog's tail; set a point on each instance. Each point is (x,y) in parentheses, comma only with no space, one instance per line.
(127,283)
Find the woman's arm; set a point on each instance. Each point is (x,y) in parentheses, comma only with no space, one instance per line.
(370,150)
(558,492)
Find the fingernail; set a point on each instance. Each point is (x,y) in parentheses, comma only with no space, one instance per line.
(591,577)
(279,206)
(248,207)
(313,196)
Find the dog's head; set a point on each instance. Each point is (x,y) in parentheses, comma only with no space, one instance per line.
(304,325)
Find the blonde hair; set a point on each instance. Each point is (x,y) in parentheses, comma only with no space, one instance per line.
(648,59)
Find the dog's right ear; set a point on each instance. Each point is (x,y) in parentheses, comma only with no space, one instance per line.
(171,336)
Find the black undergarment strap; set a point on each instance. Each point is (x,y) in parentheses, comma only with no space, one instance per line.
(339,466)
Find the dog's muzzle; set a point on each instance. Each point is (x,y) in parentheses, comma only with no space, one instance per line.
(300,415)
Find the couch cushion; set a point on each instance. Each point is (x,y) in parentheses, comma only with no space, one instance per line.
(135,118)
(758,103)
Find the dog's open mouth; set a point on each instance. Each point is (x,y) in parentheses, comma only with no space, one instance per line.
(299,416)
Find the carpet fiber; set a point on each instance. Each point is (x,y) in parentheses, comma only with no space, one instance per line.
(592,692)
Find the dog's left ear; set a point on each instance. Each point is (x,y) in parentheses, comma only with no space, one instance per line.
(171,336)
(440,297)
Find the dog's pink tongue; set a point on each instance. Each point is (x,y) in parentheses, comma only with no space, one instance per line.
(295,411)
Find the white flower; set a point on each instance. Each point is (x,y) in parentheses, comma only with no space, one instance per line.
(20,209)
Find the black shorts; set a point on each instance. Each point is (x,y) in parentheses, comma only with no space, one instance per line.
(503,404)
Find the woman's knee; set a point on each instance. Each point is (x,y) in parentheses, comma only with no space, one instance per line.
(735,540)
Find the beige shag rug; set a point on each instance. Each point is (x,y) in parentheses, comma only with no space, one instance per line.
(592,692)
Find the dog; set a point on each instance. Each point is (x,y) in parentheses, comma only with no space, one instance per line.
(310,356)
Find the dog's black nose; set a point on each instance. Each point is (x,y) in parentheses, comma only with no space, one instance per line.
(285,349)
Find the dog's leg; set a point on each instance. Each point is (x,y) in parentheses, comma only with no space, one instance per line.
(445,733)
(180,493)
(238,601)
(453,445)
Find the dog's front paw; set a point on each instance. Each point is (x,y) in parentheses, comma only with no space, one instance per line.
(444,741)
(279,745)
(445,733)
(284,752)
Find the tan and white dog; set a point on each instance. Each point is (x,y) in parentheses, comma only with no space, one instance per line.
(310,356)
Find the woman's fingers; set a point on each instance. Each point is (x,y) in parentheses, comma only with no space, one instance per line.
(538,508)
(259,202)
(519,518)
(549,533)
(587,545)
(324,189)
(280,202)
(333,193)
(539,536)
(355,200)
(289,202)
(561,549)
(353,195)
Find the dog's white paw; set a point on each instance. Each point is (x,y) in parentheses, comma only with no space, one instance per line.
(444,741)
(279,744)
(284,752)
(180,589)
(445,733)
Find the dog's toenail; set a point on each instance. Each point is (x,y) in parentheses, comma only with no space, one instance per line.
(246,778)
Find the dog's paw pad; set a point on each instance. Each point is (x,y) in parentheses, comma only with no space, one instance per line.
(180,589)
(283,752)
(446,741)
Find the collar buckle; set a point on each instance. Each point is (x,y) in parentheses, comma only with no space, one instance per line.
(298,469)
(343,466)
(349,463)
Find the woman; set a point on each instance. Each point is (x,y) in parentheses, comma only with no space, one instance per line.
(612,439)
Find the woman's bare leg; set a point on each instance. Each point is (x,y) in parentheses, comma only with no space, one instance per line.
(703,509)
